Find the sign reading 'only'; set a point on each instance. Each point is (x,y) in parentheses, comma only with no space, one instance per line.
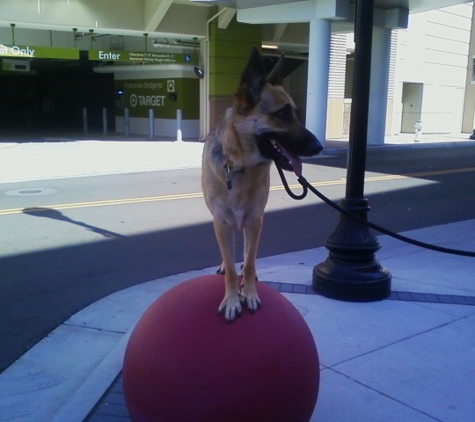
(29,52)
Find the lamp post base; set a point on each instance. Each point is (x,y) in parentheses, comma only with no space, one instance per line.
(351,271)
(352,283)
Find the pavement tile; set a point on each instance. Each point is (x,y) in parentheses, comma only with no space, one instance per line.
(456,311)
(119,311)
(39,383)
(343,399)
(346,330)
(427,277)
(433,371)
(298,274)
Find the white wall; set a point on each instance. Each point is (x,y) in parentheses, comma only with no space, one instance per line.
(83,14)
(163,128)
(106,16)
(434,51)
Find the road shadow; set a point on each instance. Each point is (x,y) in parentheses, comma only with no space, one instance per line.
(57,215)
(381,160)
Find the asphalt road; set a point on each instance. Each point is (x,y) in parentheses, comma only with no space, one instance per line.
(69,242)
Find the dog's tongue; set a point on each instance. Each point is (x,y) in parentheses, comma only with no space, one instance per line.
(294,161)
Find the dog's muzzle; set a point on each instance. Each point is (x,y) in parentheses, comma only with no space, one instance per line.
(286,149)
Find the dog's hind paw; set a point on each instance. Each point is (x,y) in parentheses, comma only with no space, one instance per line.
(231,308)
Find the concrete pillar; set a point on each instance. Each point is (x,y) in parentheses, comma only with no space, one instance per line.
(378,98)
(204,90)
(468,118)
(318,71)
(336,86)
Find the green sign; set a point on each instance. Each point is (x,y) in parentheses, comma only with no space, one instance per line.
(32,52)
(140,57)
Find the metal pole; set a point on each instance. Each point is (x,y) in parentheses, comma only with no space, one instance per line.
(151,124)
(127,122)
(104,120)
(145,35)
(179,135)
(360,99)
(351,271)
(84,120)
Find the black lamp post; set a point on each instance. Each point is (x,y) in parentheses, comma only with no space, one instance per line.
(351,271)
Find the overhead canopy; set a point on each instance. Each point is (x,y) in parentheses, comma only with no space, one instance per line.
(166,18)
(413,6)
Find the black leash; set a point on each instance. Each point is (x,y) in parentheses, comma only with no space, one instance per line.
(307,186)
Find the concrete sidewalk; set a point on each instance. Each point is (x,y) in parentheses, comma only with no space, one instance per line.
(24,161)
(62,157)
(409,358)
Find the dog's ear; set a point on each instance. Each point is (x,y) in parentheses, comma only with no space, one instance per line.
(252,80)
(276,75)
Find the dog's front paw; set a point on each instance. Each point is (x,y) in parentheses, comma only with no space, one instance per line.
(250,298)
(230,307)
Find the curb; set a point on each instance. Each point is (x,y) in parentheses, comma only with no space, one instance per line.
(417,145)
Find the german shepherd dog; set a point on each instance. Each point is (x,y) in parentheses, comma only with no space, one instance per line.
(261,127)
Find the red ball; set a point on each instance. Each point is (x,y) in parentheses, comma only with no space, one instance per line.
(184,362)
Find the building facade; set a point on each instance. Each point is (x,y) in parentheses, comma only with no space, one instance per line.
(429,81)
(420,74)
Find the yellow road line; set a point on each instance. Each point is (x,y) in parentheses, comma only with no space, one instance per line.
(104,203)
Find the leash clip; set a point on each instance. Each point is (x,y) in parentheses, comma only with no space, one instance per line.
(227,169)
